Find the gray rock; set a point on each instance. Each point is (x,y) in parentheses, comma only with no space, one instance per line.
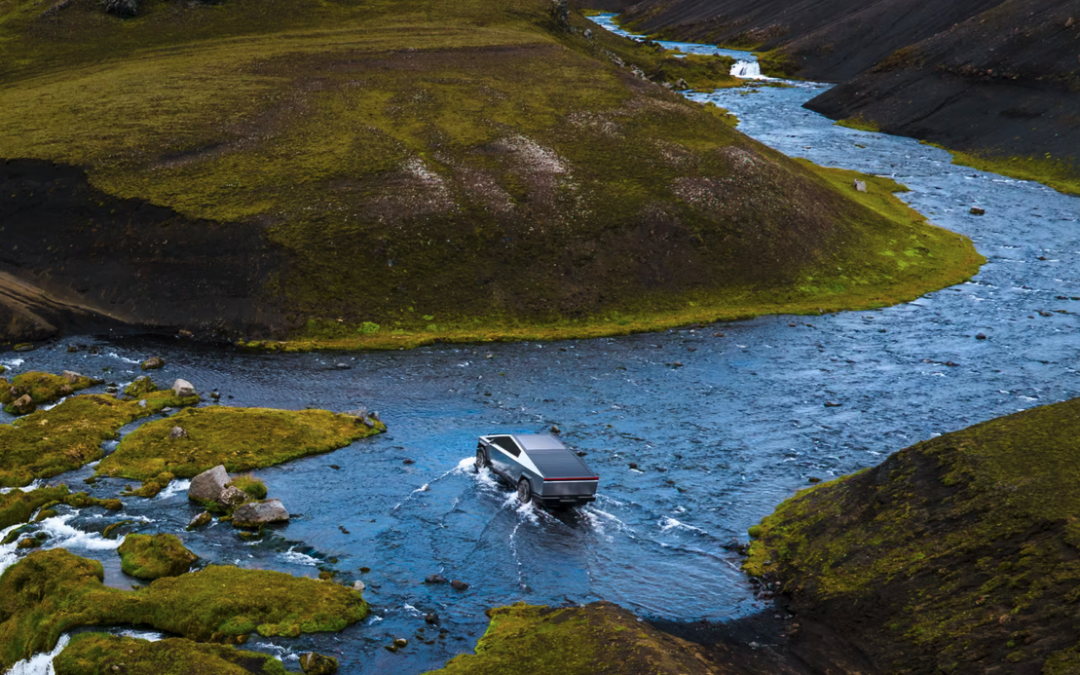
(24,405)
(71,376)
(208,485)
(588,33)
(682,85)
(183,388)
(176,433)
(254,514)
(859,185)
(200,520)
(232,496)
(359,586)
(314,663)
(153,363)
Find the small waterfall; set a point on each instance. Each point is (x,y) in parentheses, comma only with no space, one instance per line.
(747,70)
(40,664)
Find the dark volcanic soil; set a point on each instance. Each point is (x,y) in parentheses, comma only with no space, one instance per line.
(991,76)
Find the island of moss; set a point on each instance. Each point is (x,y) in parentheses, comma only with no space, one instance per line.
(96,653)
(50,592)
(954,554)
(152,556)
(596,639)
(49,442)
(42,388)
(241,439)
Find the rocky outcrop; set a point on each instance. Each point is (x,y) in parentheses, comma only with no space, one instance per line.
(257,514)
(960,554)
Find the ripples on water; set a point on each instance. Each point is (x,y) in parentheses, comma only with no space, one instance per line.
(719,441)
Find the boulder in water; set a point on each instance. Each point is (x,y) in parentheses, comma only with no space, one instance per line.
(316,664)
(208,485)
(256,514)
(24,405)
(200,520)
(183,388)
(153,363)
(232,496)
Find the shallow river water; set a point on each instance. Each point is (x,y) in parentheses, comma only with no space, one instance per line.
(719,441)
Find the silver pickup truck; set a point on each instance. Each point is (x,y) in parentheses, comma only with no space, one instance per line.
(540,466)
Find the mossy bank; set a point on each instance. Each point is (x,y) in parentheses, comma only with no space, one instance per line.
(396,173)
(956,555)
(96,653)
(50,592)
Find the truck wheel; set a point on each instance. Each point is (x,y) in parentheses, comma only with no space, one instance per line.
(524,491)
(481,459)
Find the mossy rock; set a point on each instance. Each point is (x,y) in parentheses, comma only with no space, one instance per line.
(597,639)
(43,388)
(97,653)
(18,506)
(254,487)
(954,553)
(140,386)
(146,556)
(50,592)
(241,439)
(50,442)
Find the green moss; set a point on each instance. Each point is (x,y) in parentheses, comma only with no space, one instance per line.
(242,439)
(778,63)
(140,386)
(425,159)
(96,653)
(975,529)
(46,443)
(254,487)
(42,388)
(860,123)
(18,506)
(146,556)
(596,639)
(1060,173)
(50,592)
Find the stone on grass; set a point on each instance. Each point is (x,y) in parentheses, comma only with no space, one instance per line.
(317,664)
(256,514)
(183,388)
(72,377)
(177,433)
(859,185)
(153,363)
(208,485)
(24,405)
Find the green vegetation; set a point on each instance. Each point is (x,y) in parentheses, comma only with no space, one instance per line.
(903,257)
(597,639)
(145,556)
(967,545)
(46,443)
(50,592)
(1061,174)
(41,387)
(418,159)
(18,506)
(97,653)
(140,386)
(778,63)
(860,123)
(254,487)
(242,439)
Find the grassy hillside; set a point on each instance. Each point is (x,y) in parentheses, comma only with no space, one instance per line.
(957,555)
(401,172)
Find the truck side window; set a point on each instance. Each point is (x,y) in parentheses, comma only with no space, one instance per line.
(507,444)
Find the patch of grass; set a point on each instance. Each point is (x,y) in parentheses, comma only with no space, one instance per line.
(46,443)
(41,387)
(251,485)
(146,556)
(959,541)
(18,506)
(860,123)
(779,63)
(1059,173)
(96,653)
(932,258)
(241,439)
(50,592)
(597,638)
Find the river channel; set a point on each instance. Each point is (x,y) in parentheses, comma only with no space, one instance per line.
(723,422)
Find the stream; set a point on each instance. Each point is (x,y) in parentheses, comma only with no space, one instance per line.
(719,440)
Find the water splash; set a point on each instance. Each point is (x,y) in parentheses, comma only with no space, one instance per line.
(40,664)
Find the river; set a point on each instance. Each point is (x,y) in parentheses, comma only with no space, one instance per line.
(718,441)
